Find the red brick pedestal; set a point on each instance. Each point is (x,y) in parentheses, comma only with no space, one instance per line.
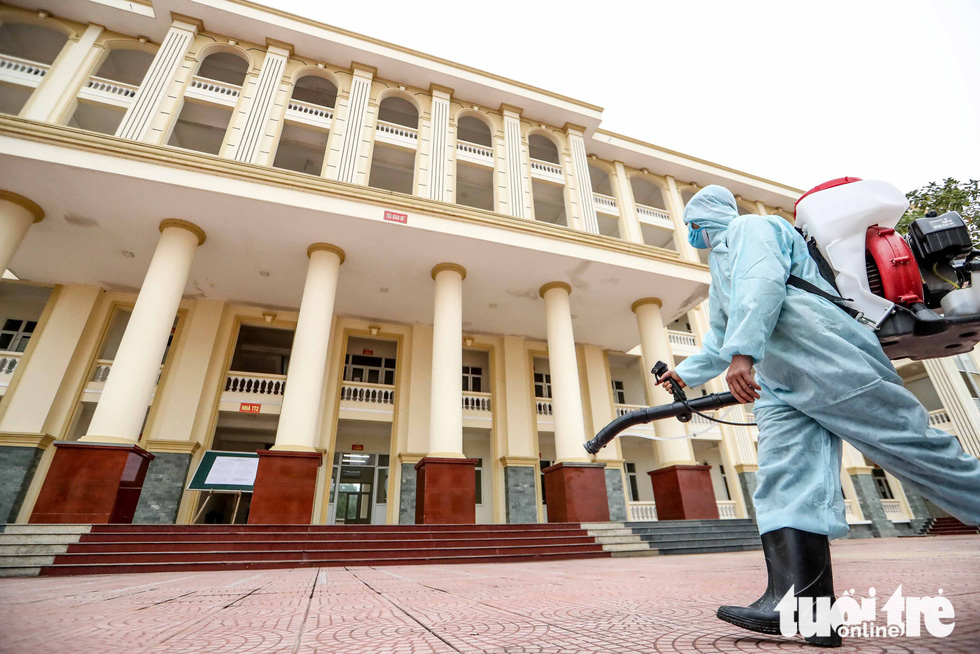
(445,491)
(576,492)
(285,485)
(684,493)
(92,483)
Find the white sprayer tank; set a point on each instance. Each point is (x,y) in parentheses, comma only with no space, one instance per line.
(838,218)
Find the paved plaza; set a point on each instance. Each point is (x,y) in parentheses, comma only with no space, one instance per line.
(654,604)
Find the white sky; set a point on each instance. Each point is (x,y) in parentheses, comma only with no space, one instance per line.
(795,91)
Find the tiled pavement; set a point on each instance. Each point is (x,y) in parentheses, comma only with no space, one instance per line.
(655,604)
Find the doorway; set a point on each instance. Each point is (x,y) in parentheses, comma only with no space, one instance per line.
(359,493)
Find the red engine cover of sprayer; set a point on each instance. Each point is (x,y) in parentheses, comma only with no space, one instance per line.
(901,281)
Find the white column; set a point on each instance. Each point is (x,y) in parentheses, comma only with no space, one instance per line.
(119,415)
(566,394)
(300,414)
(446,404)
(655,346)
(353,123)
(518,199)
(17,214)
(956,399)
(440,154)
(675,202)
(627,206)
(52,96)
(163,69)
(257,113)
(581,178)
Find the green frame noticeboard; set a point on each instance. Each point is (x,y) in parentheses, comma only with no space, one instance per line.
(208,459)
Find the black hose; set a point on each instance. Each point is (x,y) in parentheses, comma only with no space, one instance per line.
(643,416)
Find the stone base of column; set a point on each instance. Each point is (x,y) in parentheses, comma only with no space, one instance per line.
(163,489)
(616,495)
(285,486)
(520,493)
(867,497)
(684,492)
(749,482)
(445,492)
(92,483)
(18,463)
(576,492)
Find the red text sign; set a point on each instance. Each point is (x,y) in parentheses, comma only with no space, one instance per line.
(367,353)
(245,407)
(357,448)
(391,216)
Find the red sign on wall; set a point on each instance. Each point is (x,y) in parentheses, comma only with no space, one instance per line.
(246,407)
(357,448)
(367,353)
(391,216)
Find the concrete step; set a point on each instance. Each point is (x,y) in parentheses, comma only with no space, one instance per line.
(709,549)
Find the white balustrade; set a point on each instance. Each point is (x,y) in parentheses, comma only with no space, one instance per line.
(849,511)
(654,216)
(476,401)
(482,154)
(398,134)
(22,71)
(547,170)
(642,511)
(726,509)
(364,393)
(543,406)
(309,112)
(623,409)
(893,510)
(685,339)
(8,364)
(940,420)
(253,383)
(214,91)
(605,203)
(101,371)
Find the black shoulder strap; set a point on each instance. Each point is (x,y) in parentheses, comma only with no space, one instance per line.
(804,285)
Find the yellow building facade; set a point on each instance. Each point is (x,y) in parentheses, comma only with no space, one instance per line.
(243,231)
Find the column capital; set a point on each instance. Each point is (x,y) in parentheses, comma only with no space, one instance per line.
(188,23)
(326,247)
(572,127)
(363,70)
(440,91)
(860,470)
(509,108)
(550,285)
(448,266)
(183,224)
(647,300)
(284,49)
(20,200)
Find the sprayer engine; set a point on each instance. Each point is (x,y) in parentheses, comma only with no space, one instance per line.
(916,291)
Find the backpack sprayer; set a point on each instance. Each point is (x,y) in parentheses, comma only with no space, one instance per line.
(895,285)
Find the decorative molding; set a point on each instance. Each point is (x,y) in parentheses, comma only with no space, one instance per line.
(64,136)
(410,458)
(39,441)
(183,224)
(176,447)
(327,247)
(647,300)
(448,266)
(550,285)
(26,203)
(189,20)
(746,467)
(522,461)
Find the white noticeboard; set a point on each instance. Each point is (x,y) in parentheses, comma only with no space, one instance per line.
(232,471)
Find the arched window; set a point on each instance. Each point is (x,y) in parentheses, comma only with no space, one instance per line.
(474,163)
(547,180)
(105,97)
(603,196)
(209,103)
(306,129)
(27,52)
(656,224)
(395,145)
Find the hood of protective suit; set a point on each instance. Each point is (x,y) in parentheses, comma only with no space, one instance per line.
(713,208)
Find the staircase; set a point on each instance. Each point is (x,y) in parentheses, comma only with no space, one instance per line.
(947,527)
(30,550)
(698,536)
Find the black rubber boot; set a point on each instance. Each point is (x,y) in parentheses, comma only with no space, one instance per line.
(793,558)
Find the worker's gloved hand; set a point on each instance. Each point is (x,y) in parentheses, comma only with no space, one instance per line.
(670,374)
(740,380)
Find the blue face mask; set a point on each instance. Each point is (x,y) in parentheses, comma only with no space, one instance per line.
(697,237)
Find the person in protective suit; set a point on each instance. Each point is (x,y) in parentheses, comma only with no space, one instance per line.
(820,377)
